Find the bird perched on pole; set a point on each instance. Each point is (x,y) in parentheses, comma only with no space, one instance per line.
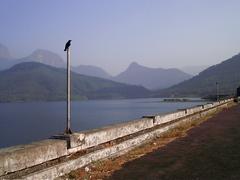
(67,45)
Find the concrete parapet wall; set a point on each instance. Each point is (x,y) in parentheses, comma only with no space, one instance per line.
(207,106)
(194,110)
(165,118)
(116,150)
(20,157)
(95,137)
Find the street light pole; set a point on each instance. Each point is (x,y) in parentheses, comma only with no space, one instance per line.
(217,91)
(68,123)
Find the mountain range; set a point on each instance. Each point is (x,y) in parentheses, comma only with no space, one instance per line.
(152,78)
(135,74)
(39,55)
(40,76)
(33,81)
(92,71)
(45,57)
(226,74)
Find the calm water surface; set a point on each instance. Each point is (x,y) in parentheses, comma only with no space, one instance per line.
(22,123)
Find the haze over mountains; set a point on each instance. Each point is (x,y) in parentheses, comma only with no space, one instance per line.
(45,57)
(39,55)
(227,74)
(40,76)
(4,52)
(194,70)
(152,78)
(5,57)
(135,74)
(92,71)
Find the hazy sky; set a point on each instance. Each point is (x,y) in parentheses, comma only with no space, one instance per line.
(113,33)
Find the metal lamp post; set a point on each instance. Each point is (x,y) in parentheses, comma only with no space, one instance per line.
(217,91)
(68,124)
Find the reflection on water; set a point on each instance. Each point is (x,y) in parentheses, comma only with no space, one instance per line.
(26,122)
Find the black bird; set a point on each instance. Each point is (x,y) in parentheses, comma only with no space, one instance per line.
(67,45)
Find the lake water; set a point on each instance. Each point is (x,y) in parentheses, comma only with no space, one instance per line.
(23,123)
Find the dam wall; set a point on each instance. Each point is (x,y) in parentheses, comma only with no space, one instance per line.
(61,154)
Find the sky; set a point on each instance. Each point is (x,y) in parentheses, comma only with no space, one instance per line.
(113,33)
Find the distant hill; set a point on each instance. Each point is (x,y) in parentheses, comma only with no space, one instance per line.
(194,70)
(91,71)
(49,58)
(45,57)
(227,74)
(32,81)
(152,78)
(39,55)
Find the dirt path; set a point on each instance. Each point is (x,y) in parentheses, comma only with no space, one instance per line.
(208,151)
